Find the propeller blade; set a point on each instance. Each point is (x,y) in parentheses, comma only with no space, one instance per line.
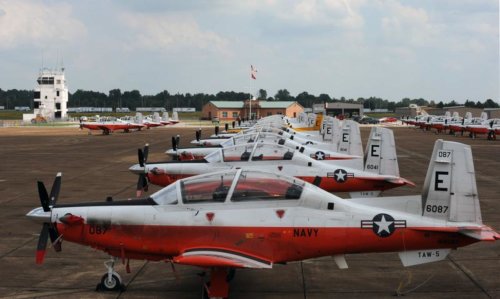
(174,143)
(54,238)
(42,243)
(142,185)
(44,197)
(226,126)
(198,135)
(54,192)
(145,153)
(216,130)
(234,124)
(177,139)
(140,157)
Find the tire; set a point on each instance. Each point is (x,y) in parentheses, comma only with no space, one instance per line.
(114,285)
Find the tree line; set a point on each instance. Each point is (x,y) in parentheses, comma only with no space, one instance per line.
(133,99)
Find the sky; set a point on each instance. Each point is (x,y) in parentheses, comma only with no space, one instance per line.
(440,50)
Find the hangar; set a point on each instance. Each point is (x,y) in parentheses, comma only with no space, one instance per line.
(231,110)
(346,109)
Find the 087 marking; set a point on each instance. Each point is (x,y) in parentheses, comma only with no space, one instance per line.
(95,229)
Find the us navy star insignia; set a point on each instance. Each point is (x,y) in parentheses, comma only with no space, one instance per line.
(320,155)
(383,225)
(340,175)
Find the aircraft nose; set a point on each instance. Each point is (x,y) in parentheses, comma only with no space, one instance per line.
(137,169)
(39,215)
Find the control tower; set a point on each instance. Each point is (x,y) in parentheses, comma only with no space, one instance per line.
(51,95)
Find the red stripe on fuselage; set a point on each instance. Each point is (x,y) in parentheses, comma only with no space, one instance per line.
(276,244)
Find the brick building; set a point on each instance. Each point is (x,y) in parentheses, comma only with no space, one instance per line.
(230,110)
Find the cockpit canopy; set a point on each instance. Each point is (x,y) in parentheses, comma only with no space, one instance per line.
(230,186)
(251,152)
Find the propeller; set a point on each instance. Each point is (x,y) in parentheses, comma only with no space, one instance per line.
(226,127)
(233,124)
(49,230)
(216,130)
(198,135)
(142,182)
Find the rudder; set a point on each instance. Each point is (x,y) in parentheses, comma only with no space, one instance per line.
(450,191)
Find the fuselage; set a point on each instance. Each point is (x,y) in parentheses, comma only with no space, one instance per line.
(275,231)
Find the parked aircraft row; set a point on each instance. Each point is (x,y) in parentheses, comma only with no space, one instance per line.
(473,126)
(263,197)
(110,124)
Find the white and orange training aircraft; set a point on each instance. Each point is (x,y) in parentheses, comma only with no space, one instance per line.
(231,220)
(110,124)
(381,170)
(337,144)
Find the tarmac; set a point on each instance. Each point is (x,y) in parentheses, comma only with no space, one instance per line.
(96,166)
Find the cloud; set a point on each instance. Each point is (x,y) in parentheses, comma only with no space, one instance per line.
(408,24)
(159,32)
(37,24)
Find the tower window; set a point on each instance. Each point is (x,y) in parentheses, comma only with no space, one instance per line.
(58,106)
(36,104)
(36,95)
(57,93)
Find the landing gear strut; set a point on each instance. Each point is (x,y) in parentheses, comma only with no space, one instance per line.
(111,280)
(218,286)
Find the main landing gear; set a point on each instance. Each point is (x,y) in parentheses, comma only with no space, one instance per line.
(218,286)
(111,280)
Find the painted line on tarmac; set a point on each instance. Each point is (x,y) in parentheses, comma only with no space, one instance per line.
(470,275)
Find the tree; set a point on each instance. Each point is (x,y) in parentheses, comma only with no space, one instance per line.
(489,103)
(262,94)
(324,98)
(282,95)
(115,97)
(469,103)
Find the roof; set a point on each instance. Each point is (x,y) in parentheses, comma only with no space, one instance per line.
(340,105)
(276,104)
(262,104)
(227,104)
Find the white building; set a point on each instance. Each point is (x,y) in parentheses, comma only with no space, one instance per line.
(51,96)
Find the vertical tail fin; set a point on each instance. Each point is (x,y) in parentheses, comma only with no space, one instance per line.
(138,118)
(175,115)
(350,139)
(318,121)
(450,191)
(156,117)
(380,155)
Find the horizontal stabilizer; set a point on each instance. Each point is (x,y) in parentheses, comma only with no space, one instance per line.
(417,257)
(484,233)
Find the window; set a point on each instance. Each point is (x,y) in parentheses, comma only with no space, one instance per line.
(57,93)
(36,105)
(58,106)
(269,113)
(166,195)
(235,114)
(206,189)
(224,114)
(251,188)
(36,95)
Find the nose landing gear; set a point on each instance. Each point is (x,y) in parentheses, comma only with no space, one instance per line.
(111,280)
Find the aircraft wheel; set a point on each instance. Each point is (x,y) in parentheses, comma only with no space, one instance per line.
(113,284)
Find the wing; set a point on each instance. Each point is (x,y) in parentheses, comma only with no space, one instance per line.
(216,257)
